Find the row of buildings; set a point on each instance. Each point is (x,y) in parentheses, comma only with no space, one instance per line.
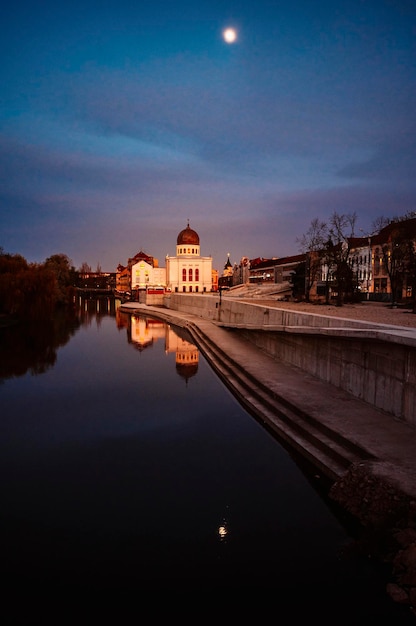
(187,272)
(380,266)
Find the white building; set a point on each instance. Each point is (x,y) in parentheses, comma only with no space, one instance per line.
(144,275)
(187,271)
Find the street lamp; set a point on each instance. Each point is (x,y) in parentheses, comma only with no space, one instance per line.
(218,305)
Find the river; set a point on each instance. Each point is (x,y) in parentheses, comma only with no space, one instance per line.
(129,468)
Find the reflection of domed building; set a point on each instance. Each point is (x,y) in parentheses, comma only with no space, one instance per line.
(187,359)
(188,271)
(186,353)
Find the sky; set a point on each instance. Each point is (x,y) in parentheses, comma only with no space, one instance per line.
(120,121)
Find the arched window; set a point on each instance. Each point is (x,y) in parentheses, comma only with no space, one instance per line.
(184,275)
(190,274)
(196,274)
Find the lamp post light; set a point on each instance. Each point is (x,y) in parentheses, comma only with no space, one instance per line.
(220,290)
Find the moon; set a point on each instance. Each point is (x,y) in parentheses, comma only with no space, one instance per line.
(230,35)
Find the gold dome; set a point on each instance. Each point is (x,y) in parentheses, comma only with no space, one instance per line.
(188,237)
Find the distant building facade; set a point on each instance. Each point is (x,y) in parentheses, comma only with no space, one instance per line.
(379,264)
(277,270)
(188,271)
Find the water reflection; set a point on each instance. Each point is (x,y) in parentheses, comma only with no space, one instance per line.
(31,347)
(119,480)
(143,332)
(94,309)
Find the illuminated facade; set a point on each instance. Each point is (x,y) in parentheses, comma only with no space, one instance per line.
(188,271)
(143,275)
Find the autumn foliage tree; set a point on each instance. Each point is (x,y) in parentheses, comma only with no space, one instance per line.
(32,291)
(61,266)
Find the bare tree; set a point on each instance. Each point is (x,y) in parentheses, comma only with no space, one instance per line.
(341,230)
(85,268)
(379,223)
(312,244)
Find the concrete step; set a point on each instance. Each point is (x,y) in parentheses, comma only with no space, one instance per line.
(327,450)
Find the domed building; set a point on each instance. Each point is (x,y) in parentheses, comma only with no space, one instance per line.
(187,237)
(188,272)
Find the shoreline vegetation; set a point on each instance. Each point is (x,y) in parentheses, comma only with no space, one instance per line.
(34,291)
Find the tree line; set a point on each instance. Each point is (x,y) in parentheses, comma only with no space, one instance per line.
(35,290)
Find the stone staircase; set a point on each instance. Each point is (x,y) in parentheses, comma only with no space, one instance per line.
(326,450)
(273,290)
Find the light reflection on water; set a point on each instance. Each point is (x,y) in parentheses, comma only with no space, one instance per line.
(127,464)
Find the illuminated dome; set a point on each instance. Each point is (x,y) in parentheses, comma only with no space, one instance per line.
(187,370)
(188,237)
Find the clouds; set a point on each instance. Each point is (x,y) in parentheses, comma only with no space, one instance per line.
(120,124)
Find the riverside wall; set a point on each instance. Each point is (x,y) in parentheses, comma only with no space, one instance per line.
(374,362)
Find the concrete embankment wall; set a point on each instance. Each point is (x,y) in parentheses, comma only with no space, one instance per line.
(373,362)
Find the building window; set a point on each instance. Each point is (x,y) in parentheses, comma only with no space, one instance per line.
(184,275)
(190,275)
(377,262)
(197,274)
(190,287)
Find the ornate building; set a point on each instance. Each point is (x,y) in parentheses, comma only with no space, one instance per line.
(141,270)
(188,271)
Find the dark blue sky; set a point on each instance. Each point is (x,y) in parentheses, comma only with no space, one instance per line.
(122,120)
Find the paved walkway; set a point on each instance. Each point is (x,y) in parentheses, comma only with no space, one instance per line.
(390,441)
